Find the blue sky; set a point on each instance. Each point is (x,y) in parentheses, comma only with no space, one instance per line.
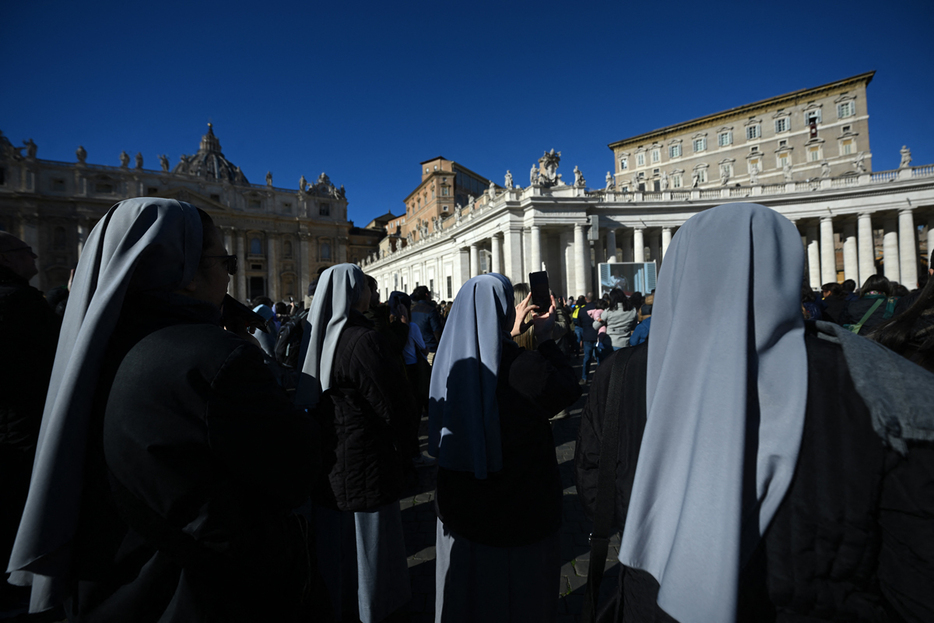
(365,91)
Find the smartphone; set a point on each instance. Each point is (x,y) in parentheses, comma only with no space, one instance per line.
(541,294)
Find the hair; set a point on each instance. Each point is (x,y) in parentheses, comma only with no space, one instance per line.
(900,291)
(581,301)
(849,286)
(876,283)
(618,298)
(835,289)
(520,291)
(589,296)
(421,293)
(908,334)
(807,294)
(282,308)
(601,304)
(262,300)
(635,300)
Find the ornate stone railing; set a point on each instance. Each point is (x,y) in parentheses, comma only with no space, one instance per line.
(883,176)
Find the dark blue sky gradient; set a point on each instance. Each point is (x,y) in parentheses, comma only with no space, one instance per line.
(365,91)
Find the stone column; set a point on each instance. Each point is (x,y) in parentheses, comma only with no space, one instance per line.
(638,244)
(228,244)
(304,265)
(535,255)
(243,293)
(496,243)
(272,268)
(866,248)
(513,254)
(82,234)
(890,250)
(930,242)
(581,259)
(907,249)
(626,246)
(611,245)
(814,272)
(567,254)
(850,255)
(666,240)
(462,267)
(474,260)
(828,256)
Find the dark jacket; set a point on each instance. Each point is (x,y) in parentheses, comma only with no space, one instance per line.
(589,333)
(426,316)
(520,504)
(366,419)
(855,310)
(195,459)
(851,539)
(835,308)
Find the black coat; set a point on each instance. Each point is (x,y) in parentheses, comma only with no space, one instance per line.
(855,310)
(366,417)
(851,540)
(520,504)
(195,459)
(589,333)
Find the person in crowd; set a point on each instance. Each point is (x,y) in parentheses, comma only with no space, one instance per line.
(525,337)
(498,495)
(578,323)
(619,319)
(588,336)
(784,482)
(417,370)
(267,335)
(426,316)
(810,308)
(873,305)
(30,332)
(360,395)
(636,300)
(834,301)
(849,290)
(169,458)
(641,333)
(911,332)
(564,336)
(603,346)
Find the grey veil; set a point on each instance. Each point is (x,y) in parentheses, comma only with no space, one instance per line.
(140,244)
(726,392)
(339,289)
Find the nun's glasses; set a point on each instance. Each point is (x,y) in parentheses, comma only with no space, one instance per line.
(229,260)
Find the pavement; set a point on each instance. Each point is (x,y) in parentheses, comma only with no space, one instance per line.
(418,517)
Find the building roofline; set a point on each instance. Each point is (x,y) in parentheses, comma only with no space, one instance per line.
(453,171)
(732,112)
(435,158)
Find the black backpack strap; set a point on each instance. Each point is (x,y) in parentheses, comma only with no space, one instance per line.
(605,502)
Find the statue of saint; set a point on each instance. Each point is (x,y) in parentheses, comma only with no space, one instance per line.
(533,176)
(268,178)
(508,180)
(139,160)
(635,184)
(906,157)
(824,170)
(81,154)
(786,169)
(754,174)
(609,180)
(124,159)
(579,181)
(664,183)
(164,163)
(303,184)
(695,180)
(30,149)
(859,163)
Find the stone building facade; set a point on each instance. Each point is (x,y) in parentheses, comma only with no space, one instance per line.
(809,134)
(283,237)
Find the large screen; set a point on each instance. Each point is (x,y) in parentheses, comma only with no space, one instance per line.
(627,276)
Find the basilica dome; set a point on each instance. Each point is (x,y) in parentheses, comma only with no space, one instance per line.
(210,163)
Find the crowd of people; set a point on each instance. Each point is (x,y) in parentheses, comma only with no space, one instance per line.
(172,454)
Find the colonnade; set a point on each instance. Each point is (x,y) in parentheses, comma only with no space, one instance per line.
(857,234)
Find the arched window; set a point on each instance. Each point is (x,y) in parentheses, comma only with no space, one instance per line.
(256,246)
(287,249)
(326,251)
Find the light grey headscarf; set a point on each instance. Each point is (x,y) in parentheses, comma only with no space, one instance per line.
(339,289)
(463,412)
(726,392)
(140,244)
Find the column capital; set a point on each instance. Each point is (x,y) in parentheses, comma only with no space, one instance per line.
(906,210)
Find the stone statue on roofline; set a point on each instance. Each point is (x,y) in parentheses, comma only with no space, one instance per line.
(824,170)
(695,180)
(164,163)
(859,164)
(754,174)
(664,182)
(139,160)
(548,165)
(906,157)
(579,180)
(609,180)
(30,149)
(124,159)
(509,183)
(786,169)
(534,176)
(303,184)
(82,154)
(268,178)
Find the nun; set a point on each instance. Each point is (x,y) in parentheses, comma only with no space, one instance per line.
(499,494)
(168,458)
(768,469)
(356,387)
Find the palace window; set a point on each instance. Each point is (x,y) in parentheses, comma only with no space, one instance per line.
(324,209)
(724,139)
(784,160)
(656,156)
(676,180)
(255,204)
(726,170)
(782,125)
(753,132)
(754,164)
(674,151)
(812,115)
(813,154)
(444,191)
(846,147)
(700,144)
(326,251)
(640,160)
(623,164)
(256,246)
(846,109)
(287,249)
(701,175)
